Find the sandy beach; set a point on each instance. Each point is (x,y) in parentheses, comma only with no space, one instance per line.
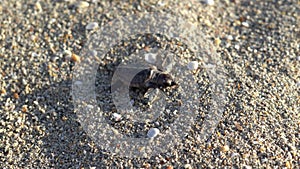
(256,42)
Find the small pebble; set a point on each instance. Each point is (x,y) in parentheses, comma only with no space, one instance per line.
(289,165)
(218,41)
(169,167)
(207,23)
(64,118)
(161,3)
(24,81)
(247,167)
(225,148)
(193,65)
(16,95)
(52,21)
(27,89)
(36,102)
(153,132)
(150,58)
(75,58)
(237,47)
(24,108)
(92,25)
(147,165)
(238,126)
(187,166)
(3,91)
(210,2)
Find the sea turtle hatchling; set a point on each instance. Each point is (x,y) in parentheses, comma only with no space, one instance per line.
(143,79)
(152,78)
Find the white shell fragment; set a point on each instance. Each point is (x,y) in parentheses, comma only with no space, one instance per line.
(33,54)
(82,4)
(150,58)
(89,106)
(230,37)
(68,53)
(38,7)
(245,24)
(92,25)
(117,116)
(193,65)
(153,132)
(210,2)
